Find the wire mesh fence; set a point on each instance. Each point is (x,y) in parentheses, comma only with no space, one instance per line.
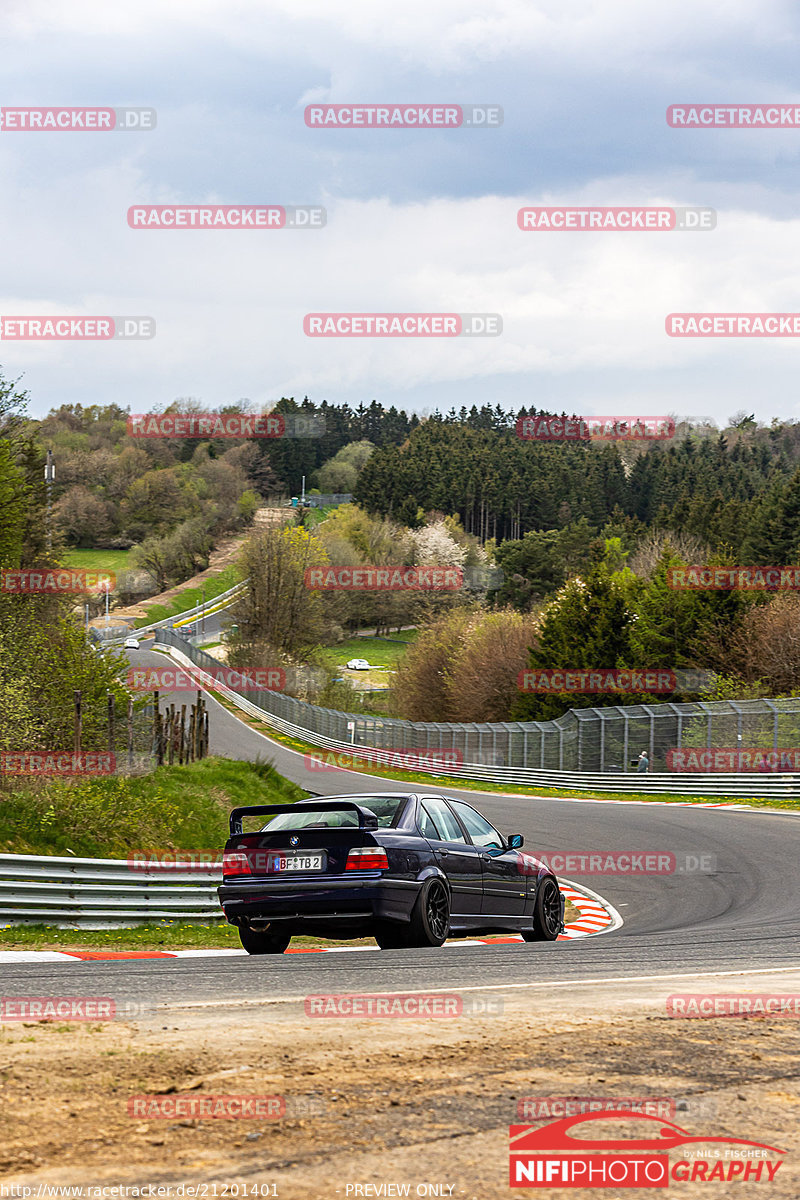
(607,740)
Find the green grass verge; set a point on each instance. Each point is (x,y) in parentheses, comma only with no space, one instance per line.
(190,597)
(98,560)
(475,785)
(174,808)
(376,651)
(173,935)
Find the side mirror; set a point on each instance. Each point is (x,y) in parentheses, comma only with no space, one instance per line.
(515,841)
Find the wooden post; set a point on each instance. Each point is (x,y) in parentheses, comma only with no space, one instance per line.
(182,745)
(111,715)
(130,733)
(205,733)
(171,727)
(78,724)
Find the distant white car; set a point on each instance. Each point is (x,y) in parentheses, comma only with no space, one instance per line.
(131,643)
(358,664)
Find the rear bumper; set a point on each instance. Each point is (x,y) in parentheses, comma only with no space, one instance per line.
(336,898)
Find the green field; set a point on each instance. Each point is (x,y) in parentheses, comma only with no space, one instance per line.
(191,597)
(377,651)
(98,560)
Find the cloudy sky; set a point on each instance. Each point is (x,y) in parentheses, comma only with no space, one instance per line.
(418,220)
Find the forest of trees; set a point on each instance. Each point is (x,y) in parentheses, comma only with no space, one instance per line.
(583,534)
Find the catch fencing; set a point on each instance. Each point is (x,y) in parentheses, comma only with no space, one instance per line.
(560,753)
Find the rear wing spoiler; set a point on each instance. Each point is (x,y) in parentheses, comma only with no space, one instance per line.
(366,817)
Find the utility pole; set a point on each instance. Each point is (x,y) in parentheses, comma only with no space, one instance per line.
(49,478)
(303,494)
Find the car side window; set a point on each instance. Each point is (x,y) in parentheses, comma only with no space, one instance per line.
(451,831)
(427,825)
(481,832)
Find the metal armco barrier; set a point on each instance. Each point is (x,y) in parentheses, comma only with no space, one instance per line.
(97,892)
(417,738)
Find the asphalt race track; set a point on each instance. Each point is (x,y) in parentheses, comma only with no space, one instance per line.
(740,914)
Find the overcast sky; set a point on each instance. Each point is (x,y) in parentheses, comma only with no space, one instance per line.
(418,220)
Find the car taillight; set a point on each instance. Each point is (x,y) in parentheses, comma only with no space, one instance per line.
(367,858)
(235,862)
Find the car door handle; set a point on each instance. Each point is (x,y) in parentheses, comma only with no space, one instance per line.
(486,858)
(444,853)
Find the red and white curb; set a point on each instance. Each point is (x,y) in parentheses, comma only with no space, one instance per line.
(596,916)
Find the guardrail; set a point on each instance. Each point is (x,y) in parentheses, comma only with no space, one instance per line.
(215,604)
(729,784)
(102,892)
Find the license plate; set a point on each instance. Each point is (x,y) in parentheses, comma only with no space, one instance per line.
(278,863)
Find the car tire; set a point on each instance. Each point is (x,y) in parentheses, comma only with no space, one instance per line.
(390,936)
(430,916)
(546,913)
(263,941)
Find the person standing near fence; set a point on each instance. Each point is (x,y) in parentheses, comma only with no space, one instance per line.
(643,765)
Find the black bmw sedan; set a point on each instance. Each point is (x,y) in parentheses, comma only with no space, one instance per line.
(407,869)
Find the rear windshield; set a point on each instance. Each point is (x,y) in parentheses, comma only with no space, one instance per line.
(386,808)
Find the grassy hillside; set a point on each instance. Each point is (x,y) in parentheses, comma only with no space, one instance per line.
(174,808)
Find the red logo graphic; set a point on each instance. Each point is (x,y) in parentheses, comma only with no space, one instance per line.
(553,1156)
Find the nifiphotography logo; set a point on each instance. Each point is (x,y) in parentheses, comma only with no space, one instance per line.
(548,1156)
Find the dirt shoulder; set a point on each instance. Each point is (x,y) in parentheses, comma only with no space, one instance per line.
(406,1102)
